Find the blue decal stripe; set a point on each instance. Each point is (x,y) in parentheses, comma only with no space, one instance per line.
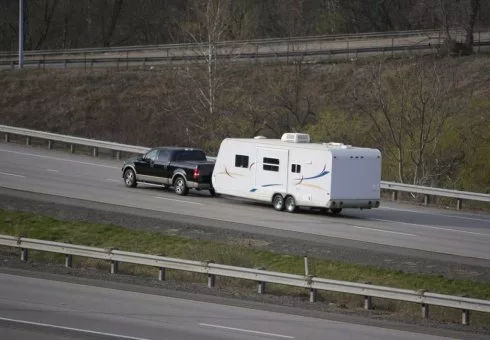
(323,173)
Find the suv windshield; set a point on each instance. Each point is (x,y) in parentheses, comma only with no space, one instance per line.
(190,155)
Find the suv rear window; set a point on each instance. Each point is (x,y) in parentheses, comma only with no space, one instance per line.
(190,155)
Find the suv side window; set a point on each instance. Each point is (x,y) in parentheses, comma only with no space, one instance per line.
(163,156)
(151,155)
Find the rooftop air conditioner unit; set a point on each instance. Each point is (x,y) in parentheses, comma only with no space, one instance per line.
(296,137)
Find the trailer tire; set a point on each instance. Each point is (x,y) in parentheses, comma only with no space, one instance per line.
(290,204)
(278,202)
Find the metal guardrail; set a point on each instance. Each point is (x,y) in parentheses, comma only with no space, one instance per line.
(98,144)
(105,61)
(298,47)
(430,191)
(234,43)
(314,284)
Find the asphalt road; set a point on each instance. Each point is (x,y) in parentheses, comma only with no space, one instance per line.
(32,308)
(93,179)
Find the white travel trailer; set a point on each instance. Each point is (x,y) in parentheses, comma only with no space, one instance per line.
(292,172)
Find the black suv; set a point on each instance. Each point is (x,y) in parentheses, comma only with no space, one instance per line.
(182,168)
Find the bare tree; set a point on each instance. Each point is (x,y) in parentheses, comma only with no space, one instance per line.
(409,110)
(207,79)
(455,15)
(291,104)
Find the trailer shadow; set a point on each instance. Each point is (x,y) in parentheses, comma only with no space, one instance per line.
(301,211)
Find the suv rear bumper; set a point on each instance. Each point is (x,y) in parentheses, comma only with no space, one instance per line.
(196,185)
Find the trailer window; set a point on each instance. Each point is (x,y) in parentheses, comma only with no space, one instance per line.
(296,168)
(241,161)
(270,164)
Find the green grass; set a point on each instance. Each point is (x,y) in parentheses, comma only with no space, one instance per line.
(106,236)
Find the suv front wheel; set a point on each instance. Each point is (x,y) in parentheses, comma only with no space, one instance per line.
(129,178)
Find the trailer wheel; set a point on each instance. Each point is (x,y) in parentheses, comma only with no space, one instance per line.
(278,202)
(336,211)
(290,204)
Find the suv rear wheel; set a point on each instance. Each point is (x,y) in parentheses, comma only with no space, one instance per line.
(180,186)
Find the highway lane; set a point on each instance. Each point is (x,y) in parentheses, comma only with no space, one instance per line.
(29,306)
(82,177)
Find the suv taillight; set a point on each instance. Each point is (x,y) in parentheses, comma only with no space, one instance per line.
(197,173)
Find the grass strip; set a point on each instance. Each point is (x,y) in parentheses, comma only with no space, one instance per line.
(104,235)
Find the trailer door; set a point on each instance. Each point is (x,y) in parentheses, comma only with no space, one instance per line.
(272,171)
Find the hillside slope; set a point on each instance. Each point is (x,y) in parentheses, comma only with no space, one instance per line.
(437,109)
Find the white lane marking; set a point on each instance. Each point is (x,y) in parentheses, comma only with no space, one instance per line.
(52,170)
(47,325)
(9,174)
(112,180)
(433,227)
(437,214)
(181,201)
(247,331)
(59,159)
(382,231)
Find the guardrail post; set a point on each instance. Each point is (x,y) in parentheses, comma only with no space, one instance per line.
(114,264)
(425,311)
(313,295)
(465,317)
(211,277)
(72,148)
(394,196)
(260,284)
(7,137)
(161,274)
(161,271)
(459,204)
(426,200)
(64,63)
(211,280)
(24,254)
(309,281)
(68,258)
(114,267)
(28,141)
(118,155)
(95,152)
(50,144)
(68,261)
(368,302)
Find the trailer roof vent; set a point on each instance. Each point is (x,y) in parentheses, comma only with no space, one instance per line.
(337,145)
(260,137)
(296,137)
